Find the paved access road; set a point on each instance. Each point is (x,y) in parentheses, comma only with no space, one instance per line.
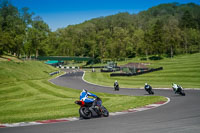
(180,115)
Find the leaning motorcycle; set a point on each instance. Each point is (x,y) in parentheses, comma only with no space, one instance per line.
(116,87)
(149,89)
(180,91)
(87,111)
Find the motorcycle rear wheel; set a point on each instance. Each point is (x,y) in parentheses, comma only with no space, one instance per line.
(85,113)
(116,88)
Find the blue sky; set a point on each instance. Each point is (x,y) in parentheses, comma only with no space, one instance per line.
(61,13)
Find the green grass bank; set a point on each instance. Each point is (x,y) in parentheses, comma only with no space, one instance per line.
(183,70)
(26,95)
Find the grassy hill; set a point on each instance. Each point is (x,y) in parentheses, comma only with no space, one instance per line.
(19,71)
(183,70)
(26,94)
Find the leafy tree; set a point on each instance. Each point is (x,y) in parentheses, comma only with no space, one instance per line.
(9,15)
(102,40)
(192,40)
(164,29)
(172,36)
(147,45)
(157,34)
(138,41)
(187,21)
(38,34)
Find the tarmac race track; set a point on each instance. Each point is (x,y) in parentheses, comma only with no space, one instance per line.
(180,115)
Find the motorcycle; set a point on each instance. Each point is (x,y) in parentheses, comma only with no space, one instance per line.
(148,88)
(180,91)
(88,111)
(116,87)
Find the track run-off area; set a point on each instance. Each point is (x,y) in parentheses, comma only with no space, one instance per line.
(180,115)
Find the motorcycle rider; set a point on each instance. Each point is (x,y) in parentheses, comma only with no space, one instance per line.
(175,87)
(116,84)
(84,97)
(147,87)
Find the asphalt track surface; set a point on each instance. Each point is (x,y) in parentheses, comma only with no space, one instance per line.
(180,115)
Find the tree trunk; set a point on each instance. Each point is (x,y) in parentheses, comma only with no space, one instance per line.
(186,49)
(171,52)
(36,54)
(199,48)
(146,52)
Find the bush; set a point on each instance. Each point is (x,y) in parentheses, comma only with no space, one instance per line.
(143,58)
(131,54)
(121,59)
(155,58)
(94,61)
(97,60)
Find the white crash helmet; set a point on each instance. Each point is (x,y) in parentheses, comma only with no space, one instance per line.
(84,90)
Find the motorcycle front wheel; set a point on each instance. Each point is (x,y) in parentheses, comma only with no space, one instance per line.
(182,93)
(105,112)
(85,113)
(150,92)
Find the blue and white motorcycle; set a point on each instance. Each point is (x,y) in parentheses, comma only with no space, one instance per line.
(88,111)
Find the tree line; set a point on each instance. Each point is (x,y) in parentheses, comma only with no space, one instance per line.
(20,33)
(166,29)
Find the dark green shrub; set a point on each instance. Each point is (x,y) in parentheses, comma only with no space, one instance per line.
(155,58)
(94,61)
(143,58)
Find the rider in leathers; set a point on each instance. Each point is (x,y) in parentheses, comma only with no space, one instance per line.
(116,85)
(84,97)
(175,88)
(147,87)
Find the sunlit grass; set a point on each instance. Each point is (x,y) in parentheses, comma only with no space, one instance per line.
(183,70)
(40,100)
(26,95)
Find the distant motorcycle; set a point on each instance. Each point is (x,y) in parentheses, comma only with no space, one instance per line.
(148,88)
(116,86)
(179,91)
(87,111)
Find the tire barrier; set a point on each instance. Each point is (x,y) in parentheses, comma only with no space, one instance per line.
(107,70)
(138,73)
(68,67)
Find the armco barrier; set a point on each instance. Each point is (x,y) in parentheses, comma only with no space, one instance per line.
(111,70)
(54,73)
(135,74)
(93,67)
(64,58)
(107,70)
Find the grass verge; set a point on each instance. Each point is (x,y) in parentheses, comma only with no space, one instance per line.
(26,95)
(183,70)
